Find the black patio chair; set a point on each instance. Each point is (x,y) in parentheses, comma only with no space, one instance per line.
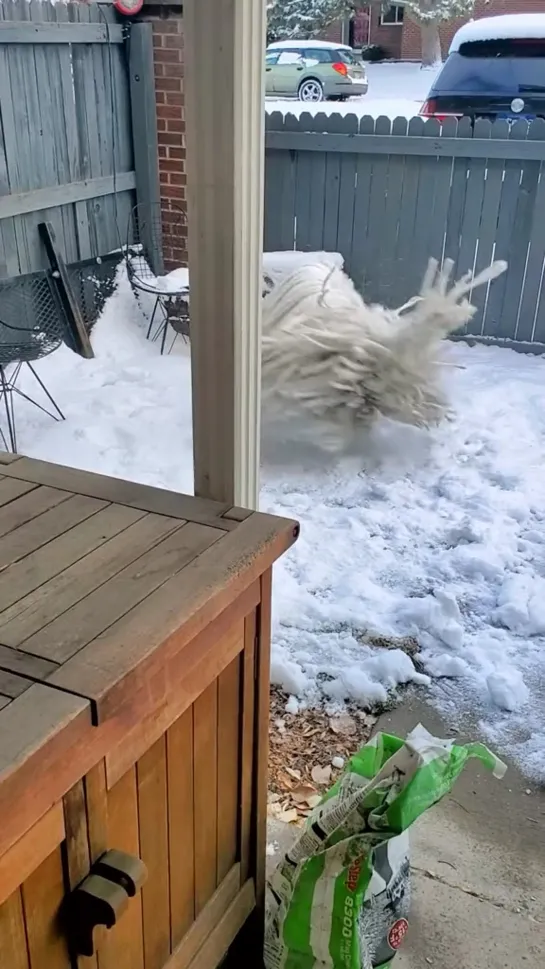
(154,235)
(31,327)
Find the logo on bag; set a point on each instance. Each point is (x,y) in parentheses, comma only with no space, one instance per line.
(353,875)
(397,933)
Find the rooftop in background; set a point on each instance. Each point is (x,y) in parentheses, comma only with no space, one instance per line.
(516,25)
(296,44)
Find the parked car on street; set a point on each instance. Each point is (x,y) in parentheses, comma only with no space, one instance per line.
(495,69)
(313,70)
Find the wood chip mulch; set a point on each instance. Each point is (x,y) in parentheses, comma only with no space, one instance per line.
(308,751)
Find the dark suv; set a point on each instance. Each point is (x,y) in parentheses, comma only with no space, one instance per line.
(495,69)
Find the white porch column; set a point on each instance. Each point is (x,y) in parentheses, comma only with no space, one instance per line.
(224,43)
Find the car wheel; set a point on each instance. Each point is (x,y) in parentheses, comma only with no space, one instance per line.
(311,90)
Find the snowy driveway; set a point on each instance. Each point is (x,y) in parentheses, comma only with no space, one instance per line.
(441,537)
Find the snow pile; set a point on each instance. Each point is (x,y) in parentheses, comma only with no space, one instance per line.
(524,26)
(432,538)
(176,281)
(123,409)
(277,265)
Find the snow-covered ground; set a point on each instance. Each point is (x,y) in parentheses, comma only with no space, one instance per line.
(435,535)
(395,90)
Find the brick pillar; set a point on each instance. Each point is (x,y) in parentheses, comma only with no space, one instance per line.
(168,50)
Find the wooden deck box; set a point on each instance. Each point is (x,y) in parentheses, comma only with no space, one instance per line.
(134,675)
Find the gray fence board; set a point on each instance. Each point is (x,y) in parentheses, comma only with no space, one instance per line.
(317,191)
(345,223)
(439,212)
(471,220)
(361,232)
(534,271)
(518,248)
(67,147)
(388,197)
(331,200)
(396,145)
(303,176)
(420,243)
(405,233)
(396,172)
(53,33)
(20,203)
(489,221)
(538,335)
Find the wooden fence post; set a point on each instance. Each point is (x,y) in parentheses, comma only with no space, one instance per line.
(144,128)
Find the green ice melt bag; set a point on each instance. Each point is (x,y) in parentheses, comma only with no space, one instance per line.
(340,896)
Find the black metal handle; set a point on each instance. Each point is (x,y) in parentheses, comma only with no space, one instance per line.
(101,898)
(123,869)
(97,901)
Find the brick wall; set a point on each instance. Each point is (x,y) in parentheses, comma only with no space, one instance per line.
(333,33)
(168,50)
(411,48)
(388,36)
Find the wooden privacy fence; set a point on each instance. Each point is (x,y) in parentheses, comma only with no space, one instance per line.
(388,195)
(78,138)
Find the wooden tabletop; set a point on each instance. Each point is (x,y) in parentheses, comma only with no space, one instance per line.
(96,573)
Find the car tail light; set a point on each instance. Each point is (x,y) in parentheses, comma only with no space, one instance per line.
(429,110)
(341,68)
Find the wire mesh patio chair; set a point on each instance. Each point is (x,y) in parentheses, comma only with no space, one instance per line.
(31,327)
(155,237)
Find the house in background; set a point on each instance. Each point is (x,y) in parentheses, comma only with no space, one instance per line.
(394,30)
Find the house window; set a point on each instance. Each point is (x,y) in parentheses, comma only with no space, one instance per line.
(393,15)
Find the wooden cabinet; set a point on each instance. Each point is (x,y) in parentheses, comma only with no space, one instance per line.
(134,674)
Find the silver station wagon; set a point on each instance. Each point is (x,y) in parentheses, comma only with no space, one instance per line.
(313,70)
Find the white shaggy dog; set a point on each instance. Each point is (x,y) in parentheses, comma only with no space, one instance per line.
(329,356)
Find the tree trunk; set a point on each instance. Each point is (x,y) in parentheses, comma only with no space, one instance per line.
(431,44)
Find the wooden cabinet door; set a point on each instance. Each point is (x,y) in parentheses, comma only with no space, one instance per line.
(181,791)
(181,795)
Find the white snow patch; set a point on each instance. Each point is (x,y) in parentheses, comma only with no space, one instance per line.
(507,689)
(293,706)
(279,264)
(176,281)
(521,604)
(438,535)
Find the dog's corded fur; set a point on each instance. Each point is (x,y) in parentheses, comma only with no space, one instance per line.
(329,356)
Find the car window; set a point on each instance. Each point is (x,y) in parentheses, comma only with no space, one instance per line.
(345,56)
(290,57)
(512,47)
(492,67)
(317,56)
(271,57)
